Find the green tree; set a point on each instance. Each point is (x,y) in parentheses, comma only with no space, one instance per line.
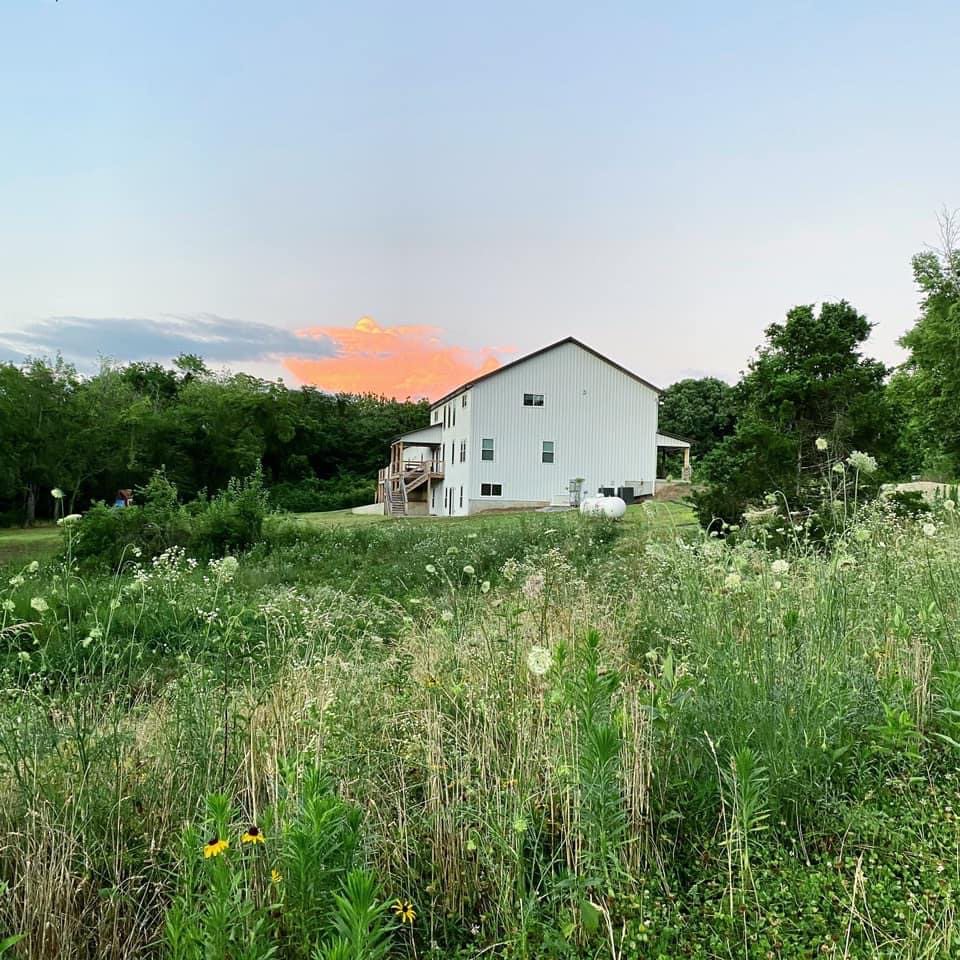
(808,380)
(928,383)
(698,410)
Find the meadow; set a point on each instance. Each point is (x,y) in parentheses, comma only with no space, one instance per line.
(524,736)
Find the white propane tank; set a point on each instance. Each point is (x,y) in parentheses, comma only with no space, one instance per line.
(611,507)
(589,505)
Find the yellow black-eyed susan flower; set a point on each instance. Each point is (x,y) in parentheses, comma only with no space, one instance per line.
(276,876)
(253,835)
(404,912)
(214,847)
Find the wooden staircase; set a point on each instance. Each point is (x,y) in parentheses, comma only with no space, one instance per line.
(396,502)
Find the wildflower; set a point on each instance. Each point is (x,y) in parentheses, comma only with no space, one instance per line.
(276,876)
(846,563)
(520,824)
(447,616)
(533,586)
(17,581)
(56,493)
(404,912)
(822,444)
(86,641)
(485,586)
(9,606)
(24,656)
(214,847)
(838,467)
(949,505)
(253,835)
(452,551)
(227,568)
(430,568)
(929,530)
(68,519)
(539,660)
(733,581)
(34,566)
(779,567)
(39,604)
(862,461)
(468,570)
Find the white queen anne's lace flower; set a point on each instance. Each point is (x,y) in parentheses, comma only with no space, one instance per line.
(822,444)
(779,567)
(539,661)
(929,530)
(39,604)
(56,493)
(733,581)
(862,461)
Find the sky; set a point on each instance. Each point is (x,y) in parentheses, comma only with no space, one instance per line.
(395,197)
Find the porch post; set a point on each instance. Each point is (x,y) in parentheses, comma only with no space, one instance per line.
(686,473)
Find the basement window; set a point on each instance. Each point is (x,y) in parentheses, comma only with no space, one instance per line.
(486,449)
(491,490)
(533,399)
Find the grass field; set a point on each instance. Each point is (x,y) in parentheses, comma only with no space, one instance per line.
(513,736)
(18,545)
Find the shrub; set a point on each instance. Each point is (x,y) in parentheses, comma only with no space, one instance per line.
(313,495)
(229,522)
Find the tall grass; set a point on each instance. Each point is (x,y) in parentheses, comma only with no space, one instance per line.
(554,738)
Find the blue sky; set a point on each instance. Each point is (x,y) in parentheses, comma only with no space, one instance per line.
(660,180)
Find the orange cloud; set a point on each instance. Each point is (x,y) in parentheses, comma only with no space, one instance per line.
(393,361)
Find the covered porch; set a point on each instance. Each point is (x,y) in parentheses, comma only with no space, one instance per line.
(405,485)
(671,445)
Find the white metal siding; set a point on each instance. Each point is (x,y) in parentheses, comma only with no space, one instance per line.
(455,473)
(603,424)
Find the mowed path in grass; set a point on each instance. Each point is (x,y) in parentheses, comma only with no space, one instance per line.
(21,546)
(665,514)
(38,543)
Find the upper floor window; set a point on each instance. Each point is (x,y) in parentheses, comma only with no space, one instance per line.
(486,449)
(546,454)
(463,400)
(533,399)
(463,451)
(453,420)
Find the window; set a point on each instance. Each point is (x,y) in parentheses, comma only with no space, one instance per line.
(533,399)
(491,489)
(446,410)
(433,499)
(463,451)
(453,419)
(486,449)
(461,496)
(436,416)
(546,454)
(446,497)
(453,452)
(463,401)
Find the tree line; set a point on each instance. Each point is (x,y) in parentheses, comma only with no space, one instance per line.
(90,436)
(810,395)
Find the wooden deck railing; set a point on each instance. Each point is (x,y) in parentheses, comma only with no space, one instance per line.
(412,473)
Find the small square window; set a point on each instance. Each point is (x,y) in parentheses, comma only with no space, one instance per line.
(486,449)
(546,454)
